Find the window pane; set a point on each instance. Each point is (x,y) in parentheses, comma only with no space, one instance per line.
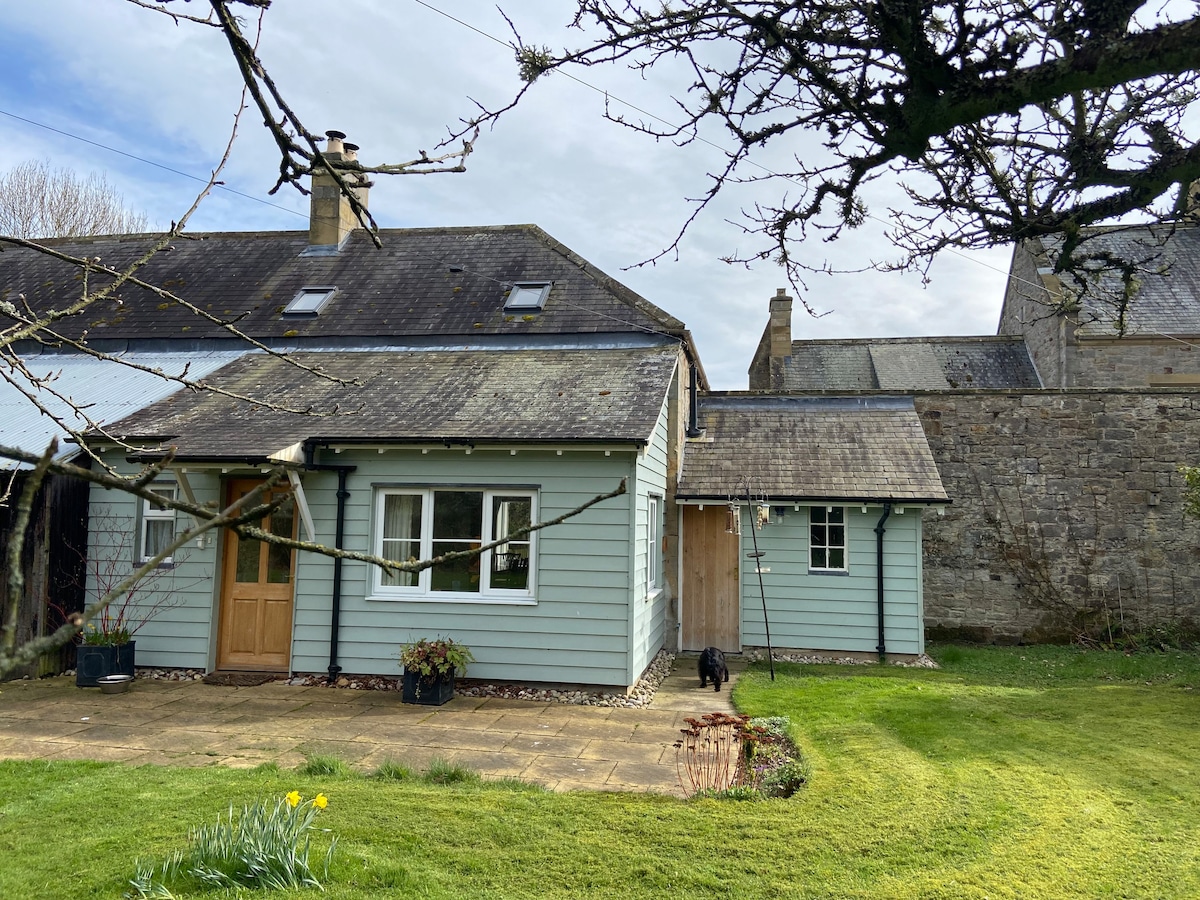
(837,535)
(510,514)
(279,559)
(818,558)
(460,575)
(510,570)
(837,515)
(168,492)
(401,537)
(457,515)
(816,514)
(159,533)
(817,535)
(837,558)
(248,552)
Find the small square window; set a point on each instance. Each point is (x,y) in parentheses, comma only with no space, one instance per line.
(309,300)
(528,295)
(827,538)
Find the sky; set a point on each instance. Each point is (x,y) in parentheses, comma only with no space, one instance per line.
(125,92)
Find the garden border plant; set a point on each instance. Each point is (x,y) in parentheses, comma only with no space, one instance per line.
(739,757)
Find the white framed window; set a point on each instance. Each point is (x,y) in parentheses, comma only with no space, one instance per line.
(654,573)
(827,538)
(422,523)
(157,527)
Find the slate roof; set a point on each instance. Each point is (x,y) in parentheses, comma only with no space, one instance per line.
(610,396)
(909,364)
(105,391)
(810,448)
(425,281)
(1168,296)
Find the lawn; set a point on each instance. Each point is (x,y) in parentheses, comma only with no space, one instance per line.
(1022,773)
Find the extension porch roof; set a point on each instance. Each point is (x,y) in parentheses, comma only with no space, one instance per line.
(810,449)
(517,396)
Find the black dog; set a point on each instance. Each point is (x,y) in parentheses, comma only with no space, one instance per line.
(712,665)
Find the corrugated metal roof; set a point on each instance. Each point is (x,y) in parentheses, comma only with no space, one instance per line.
(811,448)
(86,392)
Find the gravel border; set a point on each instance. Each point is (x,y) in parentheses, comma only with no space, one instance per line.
(640,696)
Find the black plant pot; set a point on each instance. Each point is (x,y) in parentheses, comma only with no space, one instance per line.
(93,662)
(431,690)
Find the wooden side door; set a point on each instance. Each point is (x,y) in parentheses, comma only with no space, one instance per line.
(710,611)
(255,631)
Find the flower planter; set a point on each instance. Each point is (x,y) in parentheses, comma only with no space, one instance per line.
(432,690)
(94,661)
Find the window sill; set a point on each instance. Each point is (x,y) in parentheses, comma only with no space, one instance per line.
(165,564)
(828,571)
(653,595)
(487,599)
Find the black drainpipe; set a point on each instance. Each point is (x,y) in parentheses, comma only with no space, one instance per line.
(335,618)
(693,429)
(879,530)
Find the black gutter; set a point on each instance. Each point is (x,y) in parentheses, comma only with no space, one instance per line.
(879,531)
(335,615)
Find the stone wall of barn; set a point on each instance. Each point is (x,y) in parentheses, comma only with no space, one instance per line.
(1066,516)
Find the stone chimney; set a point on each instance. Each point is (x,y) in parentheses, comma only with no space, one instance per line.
(331,217)
(780,326)
(767,368)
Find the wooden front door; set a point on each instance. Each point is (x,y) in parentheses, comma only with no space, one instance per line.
(711,608)
(256,592)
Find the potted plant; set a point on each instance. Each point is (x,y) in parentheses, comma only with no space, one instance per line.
(430,667)
(105,648)
(106,644)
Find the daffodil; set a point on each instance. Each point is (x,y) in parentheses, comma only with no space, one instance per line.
(293,798)
(320,802)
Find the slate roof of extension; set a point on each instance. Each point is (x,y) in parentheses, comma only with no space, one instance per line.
(909,364)
(810,448)
(425,281)
(539,396)
(1168,294)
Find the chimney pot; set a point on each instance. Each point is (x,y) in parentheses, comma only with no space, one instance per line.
(335,141)
(351,152)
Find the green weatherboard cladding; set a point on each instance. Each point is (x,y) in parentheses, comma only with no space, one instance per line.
(576,628)
(834,611)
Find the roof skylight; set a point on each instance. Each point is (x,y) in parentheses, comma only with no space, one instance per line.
(309,301)
(528,295)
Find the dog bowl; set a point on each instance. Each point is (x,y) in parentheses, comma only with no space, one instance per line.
(114,684)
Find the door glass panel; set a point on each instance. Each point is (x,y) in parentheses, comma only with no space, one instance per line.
(247,560)
(279,559)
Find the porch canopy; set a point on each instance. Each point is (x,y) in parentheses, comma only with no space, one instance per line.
(796,449)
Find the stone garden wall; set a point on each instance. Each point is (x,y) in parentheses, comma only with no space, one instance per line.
(1066,513)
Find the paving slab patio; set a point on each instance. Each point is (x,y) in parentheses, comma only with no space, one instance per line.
(560,746)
